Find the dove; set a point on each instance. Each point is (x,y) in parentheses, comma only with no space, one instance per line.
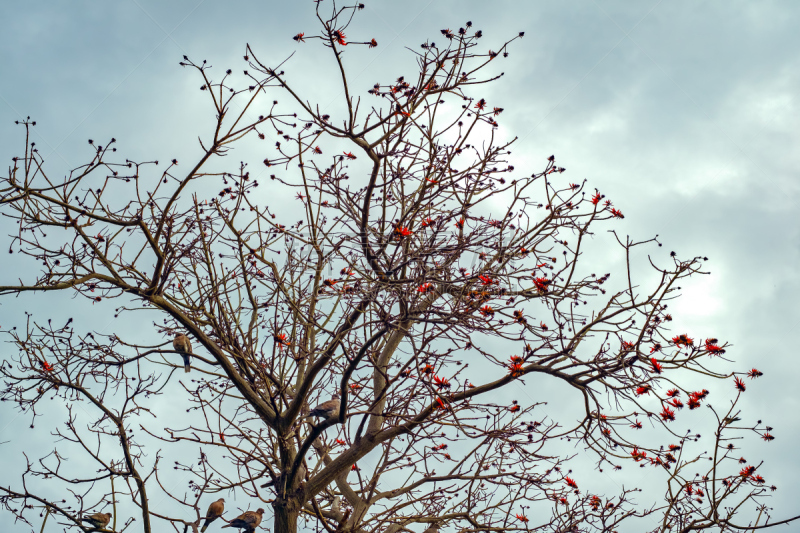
(326,410)
(248,520)
(181,344)
(215,510)
(432,529)
(98,520)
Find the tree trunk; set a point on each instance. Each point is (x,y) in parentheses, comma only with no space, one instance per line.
(286,514)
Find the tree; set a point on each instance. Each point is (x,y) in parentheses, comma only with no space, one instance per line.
(423,278)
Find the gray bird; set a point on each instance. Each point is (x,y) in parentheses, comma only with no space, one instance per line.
(98,520)
(181,344)
(248,520)
(326,410)
(215,510)
(432,529)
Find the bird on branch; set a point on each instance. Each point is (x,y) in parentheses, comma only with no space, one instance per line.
(98,520)
(215,510)
(326,410)
(249,520)
(181,344)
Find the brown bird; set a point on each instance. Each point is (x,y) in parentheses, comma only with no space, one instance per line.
(181,344)
(432,529)
(98,520)
(327,410)
(248,520)
(215,510)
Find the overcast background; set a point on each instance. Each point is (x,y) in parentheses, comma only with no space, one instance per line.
(684,113)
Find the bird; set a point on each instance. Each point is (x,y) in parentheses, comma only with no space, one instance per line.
(181,344)
(215,510)
(730,420)
(327,410)
(98,520)
(432,529)
(249,520)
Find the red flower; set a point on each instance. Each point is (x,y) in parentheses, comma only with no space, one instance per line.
(339,36)
(402,231)
(637,455)
(563,500)
(427,369)
(617,213)
(712,347)
(349,155)
(596,198)
(299,37)
(755,374)
(758,479)
(355,386)
(425,288)
(440,404)
(441,382)
(460,224)
(543,325)
(595,503)
(498,110)
(353,468)
(330,282)
(280,338)
(747,471)
(340,442)
(570,482)
(655,348)
(541,284)
(373,43)
(643,389)
(673,392)
(515,369)
(682,340)
(514,408)
(427,222)
(487,311)
(693,403)
(636,425)
(767,437)
(485,280)
(739,384)
(667,415)
(47,367)
(676,403)
(656,365)
(317,150)
(518,317)
(522,518)
(481,104)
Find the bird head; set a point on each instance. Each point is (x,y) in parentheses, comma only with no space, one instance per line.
(260,511)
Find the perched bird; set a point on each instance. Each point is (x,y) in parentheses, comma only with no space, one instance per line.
(215,510)
(248,520)
(730,420)
(182,345)
(98,520)
(432,529)
(326,410)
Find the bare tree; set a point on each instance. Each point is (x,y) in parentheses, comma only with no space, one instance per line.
(420,275)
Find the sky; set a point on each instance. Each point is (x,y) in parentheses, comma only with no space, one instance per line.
(684,113)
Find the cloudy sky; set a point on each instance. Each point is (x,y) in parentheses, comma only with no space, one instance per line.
(685,113)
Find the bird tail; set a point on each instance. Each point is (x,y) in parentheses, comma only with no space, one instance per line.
(187,363)
(203,528)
